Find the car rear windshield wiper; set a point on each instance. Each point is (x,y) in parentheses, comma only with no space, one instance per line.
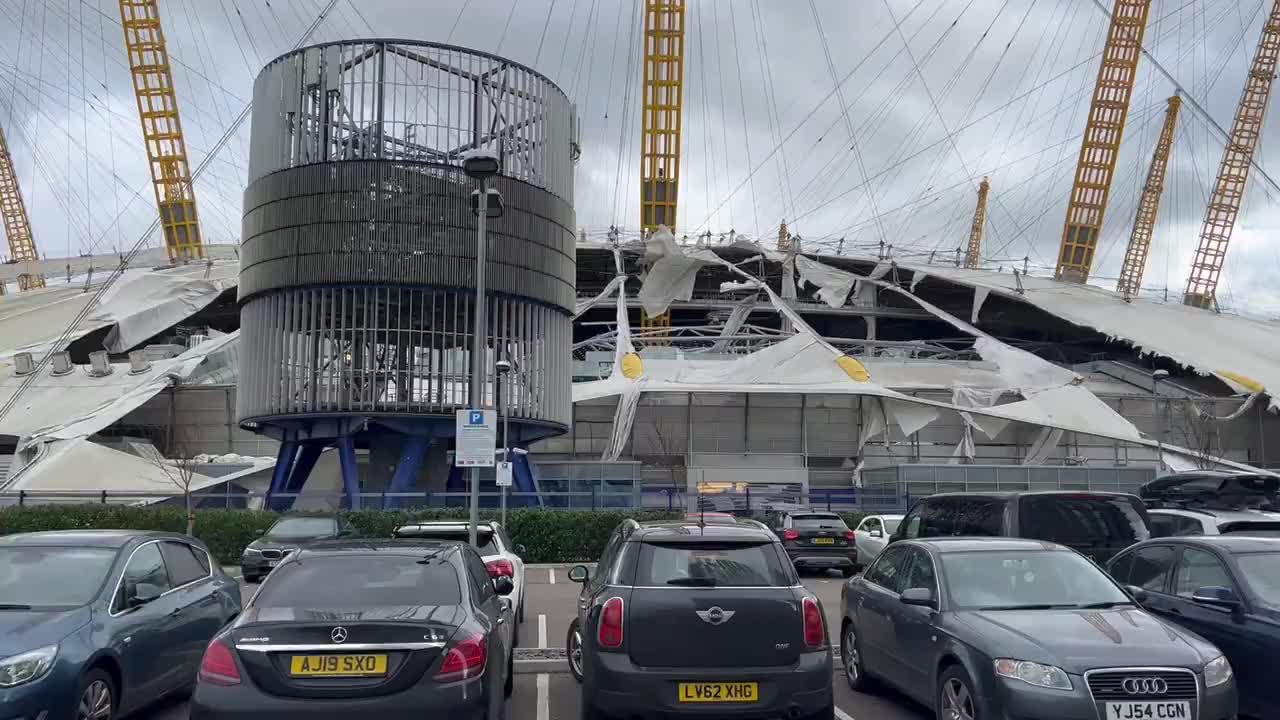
(14,606)
(693,581)
(1041,606)
(1104,605)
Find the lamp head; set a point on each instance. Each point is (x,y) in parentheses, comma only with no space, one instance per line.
(481,163)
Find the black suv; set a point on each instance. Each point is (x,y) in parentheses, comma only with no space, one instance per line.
(680,618)
(815,539)
(1096,524)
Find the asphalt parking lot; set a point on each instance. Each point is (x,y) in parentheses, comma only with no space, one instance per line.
(544,689)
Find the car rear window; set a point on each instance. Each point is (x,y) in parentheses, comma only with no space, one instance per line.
(484,539)
(1083,521)
(1256,529)
(818,522)
(361,580)
(713,564)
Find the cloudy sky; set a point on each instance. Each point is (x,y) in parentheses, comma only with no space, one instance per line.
(856,121)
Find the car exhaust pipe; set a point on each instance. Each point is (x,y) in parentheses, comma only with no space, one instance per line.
(793,712)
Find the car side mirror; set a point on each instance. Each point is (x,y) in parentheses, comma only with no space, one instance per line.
(917,596)
(1139,595)
(520,549)
(876,534)
(260,532)
(503,585)
(579,573)
(1216,596)
(143,593)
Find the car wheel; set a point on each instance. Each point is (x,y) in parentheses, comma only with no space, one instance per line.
(854,673)
(573,649)
(97,697)
(956,697)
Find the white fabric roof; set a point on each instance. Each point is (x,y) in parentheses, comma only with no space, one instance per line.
(81,465)
(140,304)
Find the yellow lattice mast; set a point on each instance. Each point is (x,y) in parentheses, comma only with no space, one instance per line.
(979,226)
(660,126)
(1101,145)
(1144,222)
(1233,174)
(17,224)
(162,129)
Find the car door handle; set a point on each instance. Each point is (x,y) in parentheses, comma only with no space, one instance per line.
(502,621)
(1173,611)
(175,611)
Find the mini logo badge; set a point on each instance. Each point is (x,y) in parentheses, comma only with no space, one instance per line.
(715,615)
(1145,686)
(338,635)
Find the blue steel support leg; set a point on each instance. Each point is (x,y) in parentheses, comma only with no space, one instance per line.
(350,475)
(306,462)
(411,455)
(280,475)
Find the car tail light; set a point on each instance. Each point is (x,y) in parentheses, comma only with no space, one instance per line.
(610,632)
(500,568)
(790,534)
(464,660)
(848,535)
(815,633)
(218,667)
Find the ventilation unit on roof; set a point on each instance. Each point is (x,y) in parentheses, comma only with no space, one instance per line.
(99,364)
(23,364)
(62,363)
(195,340)
(138,362)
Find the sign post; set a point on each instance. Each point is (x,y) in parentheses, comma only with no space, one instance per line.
(504,482)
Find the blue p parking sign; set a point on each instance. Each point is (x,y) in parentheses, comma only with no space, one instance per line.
(476,417)
(476,437)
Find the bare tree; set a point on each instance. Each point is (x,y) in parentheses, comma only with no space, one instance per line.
(1202,432)
(181,471)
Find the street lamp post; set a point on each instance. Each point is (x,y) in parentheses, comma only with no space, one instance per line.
(479,165)
(1156,377)
(504,407)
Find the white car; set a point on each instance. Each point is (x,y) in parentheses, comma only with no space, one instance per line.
(872,534)
(1172,522)
(500,556)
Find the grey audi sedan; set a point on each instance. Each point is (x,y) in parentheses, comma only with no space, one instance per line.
(980,628)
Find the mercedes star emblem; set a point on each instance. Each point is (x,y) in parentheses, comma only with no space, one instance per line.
(1145,686)
(715,615)
(338,635)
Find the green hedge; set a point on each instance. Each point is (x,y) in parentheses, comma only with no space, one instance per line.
(548,535)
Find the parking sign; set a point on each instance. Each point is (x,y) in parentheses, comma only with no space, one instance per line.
(477,436)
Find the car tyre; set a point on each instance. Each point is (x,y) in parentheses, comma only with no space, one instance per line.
(573,649)
(854,672)
(96,696)
(956,699)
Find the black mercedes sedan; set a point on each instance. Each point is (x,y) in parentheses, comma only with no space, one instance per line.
(980,628)
(1225,588)
(387,629)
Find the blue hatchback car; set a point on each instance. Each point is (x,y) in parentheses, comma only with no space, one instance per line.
(97,623)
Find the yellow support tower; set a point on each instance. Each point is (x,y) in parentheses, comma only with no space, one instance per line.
(1233,174)
(1144,222)
(162,129)
(972,257)
(660,125)
(17,224)
(1101,145)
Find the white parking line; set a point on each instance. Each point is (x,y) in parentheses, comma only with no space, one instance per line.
(839,713)
(542,631)
(551,575)
(544,698)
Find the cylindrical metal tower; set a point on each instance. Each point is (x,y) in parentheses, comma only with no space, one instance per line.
(358,249)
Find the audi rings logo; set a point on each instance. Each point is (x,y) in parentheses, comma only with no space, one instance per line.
(338,635)
(1145,686)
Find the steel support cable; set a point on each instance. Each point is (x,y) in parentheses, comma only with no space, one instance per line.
(626,111)
(503,37)
(719,76)
(881,114)
(593,22)
(869,121)
(942,140)
(463,11)
(742,102)
(542,40)
(1195,104)
(775,118)
(709,178)
(844,109)
(115,274)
